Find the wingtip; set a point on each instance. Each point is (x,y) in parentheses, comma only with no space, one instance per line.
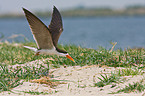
(26,11)
(54,8)
(23,8)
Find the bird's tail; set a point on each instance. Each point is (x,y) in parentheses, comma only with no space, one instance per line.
(31,48)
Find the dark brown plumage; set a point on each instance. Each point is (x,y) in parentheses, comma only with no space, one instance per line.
(56,26)
(46,37)
(40,31)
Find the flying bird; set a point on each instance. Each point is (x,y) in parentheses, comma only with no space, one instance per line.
(45,37)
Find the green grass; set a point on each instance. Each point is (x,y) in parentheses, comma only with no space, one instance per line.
(115,76)
(36,92)
(135,87)
(106,80)
(129,71)
(11,54)
(8,79)
(11,77)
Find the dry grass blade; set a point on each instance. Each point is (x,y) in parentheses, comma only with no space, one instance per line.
(48,81)
(113,46)
(13,37)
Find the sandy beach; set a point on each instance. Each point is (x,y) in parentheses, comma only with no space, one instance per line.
(74,81)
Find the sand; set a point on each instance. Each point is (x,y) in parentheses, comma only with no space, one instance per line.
(77,81)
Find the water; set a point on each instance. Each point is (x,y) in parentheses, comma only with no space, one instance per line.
(87,32)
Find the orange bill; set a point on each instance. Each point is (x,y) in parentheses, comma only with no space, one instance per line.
(69,57)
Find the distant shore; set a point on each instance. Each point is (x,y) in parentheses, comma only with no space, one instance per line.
(89,12)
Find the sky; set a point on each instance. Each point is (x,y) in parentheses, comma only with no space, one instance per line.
(15,6)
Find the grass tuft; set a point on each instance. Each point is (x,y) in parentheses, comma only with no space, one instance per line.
(115,76)
(106,80)
(129,71)
(9,79)
(36,92)
(138,86)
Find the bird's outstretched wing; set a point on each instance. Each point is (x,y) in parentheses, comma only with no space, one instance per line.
(40,31)
(56,26)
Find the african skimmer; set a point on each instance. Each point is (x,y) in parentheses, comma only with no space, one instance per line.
(45,37)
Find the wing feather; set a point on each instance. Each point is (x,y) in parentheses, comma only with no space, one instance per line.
(40,31)
(56,26)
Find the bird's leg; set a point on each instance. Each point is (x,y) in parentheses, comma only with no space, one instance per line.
(37,53)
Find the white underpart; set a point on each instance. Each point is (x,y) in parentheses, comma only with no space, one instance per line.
(31,48)
(47,51)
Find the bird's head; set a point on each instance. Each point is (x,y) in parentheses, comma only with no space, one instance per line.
(64,54)
(67,56)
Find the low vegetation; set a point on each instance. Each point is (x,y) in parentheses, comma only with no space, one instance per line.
(15,53)
(12,54)
(135,87)
(115,77)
